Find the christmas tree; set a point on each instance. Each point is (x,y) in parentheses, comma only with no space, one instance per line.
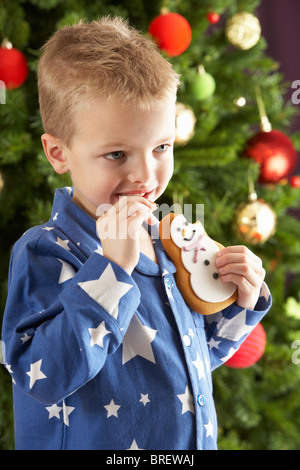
(231,91)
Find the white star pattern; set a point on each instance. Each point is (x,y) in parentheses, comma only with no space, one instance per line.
(134,446)
(231,353)
(107,290)
(265,293)
(144,399)
(97,334)
(67,272)
(209,429)
(191,333)
(25,338)
(54,411)
(137,341)
(199,366)
(169,293)
(63,243)
(213,344)
(112,409)
(67,410)
(186,399)
(35,373)
(234,328)
(8,368)
(99,250)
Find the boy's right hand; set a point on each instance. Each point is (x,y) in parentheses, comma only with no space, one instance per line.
(119,230)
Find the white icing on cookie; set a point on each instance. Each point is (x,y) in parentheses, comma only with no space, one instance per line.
(198,254)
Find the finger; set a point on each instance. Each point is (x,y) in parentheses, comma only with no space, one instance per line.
(139,208)
(230,258)
(244,285)
(241,249)
(229,272)
(237,258)
(152,220)
(134,224)
(138,199)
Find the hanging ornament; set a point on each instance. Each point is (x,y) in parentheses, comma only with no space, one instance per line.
(212,17)
(13,66)
(204,85)
(275,153)
(295,181)
(272,149)
(255,221)
(250,351)
(1,182)
(243,30)
(172,32)
(184,124)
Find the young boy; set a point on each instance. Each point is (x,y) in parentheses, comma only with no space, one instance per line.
(103,351)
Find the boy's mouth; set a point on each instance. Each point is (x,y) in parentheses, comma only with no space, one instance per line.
(138,193)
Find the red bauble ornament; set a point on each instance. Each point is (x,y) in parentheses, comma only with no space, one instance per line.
(295,181)
(212,17)
(13,67)
(172,33)
(250,351)
(275,153)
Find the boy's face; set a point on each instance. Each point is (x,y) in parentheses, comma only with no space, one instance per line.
(119,150)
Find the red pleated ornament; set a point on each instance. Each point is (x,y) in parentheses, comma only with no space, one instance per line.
(250,351)
(172,33)
(13,67)
(275,153)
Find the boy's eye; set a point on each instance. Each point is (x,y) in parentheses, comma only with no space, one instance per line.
(114,155)
(162,148)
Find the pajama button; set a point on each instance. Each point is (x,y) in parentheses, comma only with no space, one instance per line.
(186,340)
(201,400)
(169,283)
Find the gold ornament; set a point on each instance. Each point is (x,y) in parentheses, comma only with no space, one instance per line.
(255,221)
(243,30)
(185,123)
(1,182)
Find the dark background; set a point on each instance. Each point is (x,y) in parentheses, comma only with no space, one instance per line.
(280,23)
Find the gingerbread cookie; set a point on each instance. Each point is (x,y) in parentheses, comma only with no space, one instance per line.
(194,254)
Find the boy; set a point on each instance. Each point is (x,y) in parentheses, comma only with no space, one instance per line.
(103,351)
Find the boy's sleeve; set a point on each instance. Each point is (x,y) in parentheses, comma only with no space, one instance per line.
(63,317)
(226,330)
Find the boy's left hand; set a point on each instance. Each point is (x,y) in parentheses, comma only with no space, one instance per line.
(239,265)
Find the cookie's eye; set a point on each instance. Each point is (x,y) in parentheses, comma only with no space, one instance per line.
(186,223)
(206,262)
(216,276)
(178,229)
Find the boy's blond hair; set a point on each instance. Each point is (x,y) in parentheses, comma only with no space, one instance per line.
(105,58)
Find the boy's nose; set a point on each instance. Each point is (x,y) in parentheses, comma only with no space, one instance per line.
(142,170)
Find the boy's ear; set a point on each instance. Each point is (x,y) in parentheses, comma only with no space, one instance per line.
(54,150)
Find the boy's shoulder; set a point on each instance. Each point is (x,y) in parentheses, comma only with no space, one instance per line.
(49,230)
(30,239)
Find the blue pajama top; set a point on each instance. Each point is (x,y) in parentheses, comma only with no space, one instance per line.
(101,359)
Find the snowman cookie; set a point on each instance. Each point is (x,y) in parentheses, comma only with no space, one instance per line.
(194,254)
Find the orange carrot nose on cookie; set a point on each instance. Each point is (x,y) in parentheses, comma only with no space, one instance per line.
(183,232)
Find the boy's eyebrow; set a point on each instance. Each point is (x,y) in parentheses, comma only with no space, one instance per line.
(170,137)
(119,145)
